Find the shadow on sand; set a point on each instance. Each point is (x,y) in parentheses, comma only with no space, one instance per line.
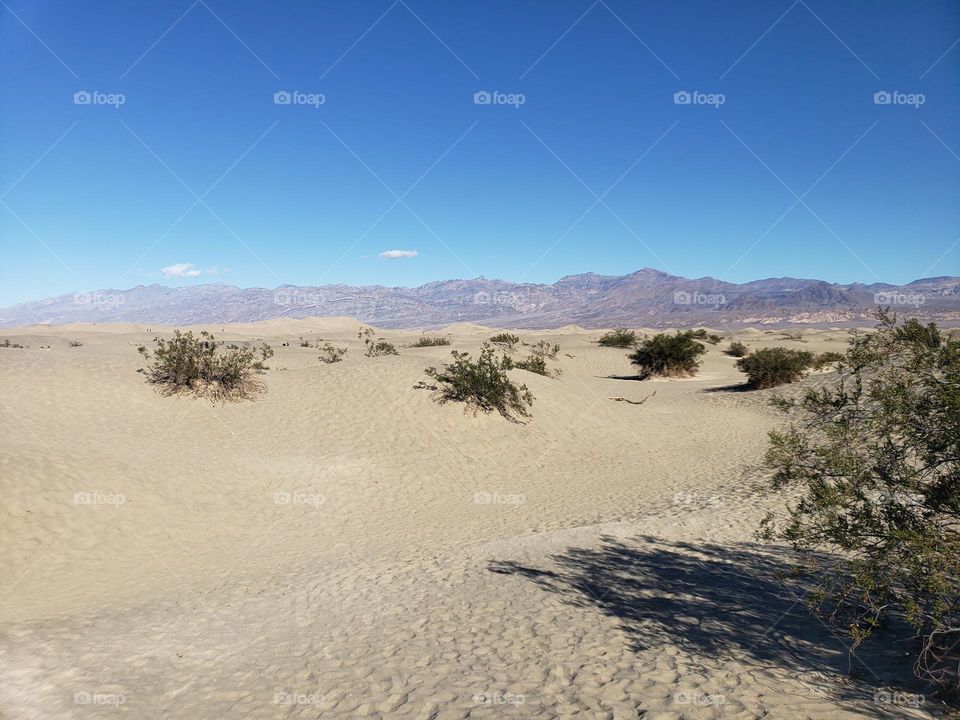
(719,602)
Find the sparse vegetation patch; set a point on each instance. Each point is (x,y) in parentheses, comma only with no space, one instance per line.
(201,366)
(618,338)
(376,346)
(483,384)
(426,341)
(668,355)
(506,340)
(331,353)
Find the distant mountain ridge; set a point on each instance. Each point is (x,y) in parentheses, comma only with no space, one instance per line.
(647,297)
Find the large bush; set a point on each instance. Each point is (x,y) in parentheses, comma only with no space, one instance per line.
(770,367)
(876,461)
(483,384)
(618,338)
(667,355)
(199,365)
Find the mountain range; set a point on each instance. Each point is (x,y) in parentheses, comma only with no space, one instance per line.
(648,297)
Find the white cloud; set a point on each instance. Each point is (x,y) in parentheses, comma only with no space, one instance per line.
(180,270)
(397,254)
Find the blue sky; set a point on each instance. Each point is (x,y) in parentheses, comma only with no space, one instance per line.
(782,163)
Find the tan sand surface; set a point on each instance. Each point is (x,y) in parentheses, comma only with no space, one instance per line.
(345,547)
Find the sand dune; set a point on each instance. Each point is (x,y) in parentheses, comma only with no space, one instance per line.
(345,547)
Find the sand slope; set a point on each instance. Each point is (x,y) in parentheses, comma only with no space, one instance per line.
(345,547)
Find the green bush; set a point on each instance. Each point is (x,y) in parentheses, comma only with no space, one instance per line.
(483,384)
(737,349)
(666,355)
(702,334)
(332,354)
(426,341)
(532,363)
(543,349)
(505,339)
(618,338)
(199,365)
(770,367)
(826,358)
(376,347)
(875,462)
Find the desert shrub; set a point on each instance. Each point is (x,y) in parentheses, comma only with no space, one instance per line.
(532,363)
(332,354)
(770,367)
(826,358)
(7,344)
(75,343)
(793,335)
(426,341)
(376,346)
(674,355)
(618,338)
(199,365)
(543,349)
(875,460)
(304,343)
(483,384)
(505,339)
(702,334)
(737,349)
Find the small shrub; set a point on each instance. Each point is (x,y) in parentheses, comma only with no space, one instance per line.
(483,384)
(668,355)
(426,341)
(304,343)
(618,338)
(505,339)
(793,335)
(198,365)
(543,349)
(770,367)
(75,343)
(332,354)
(827,358)
(7,344)
(737,349)
(376,347)
(533,363)
(702,334)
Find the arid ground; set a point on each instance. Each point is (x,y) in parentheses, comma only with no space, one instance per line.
(344,546)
